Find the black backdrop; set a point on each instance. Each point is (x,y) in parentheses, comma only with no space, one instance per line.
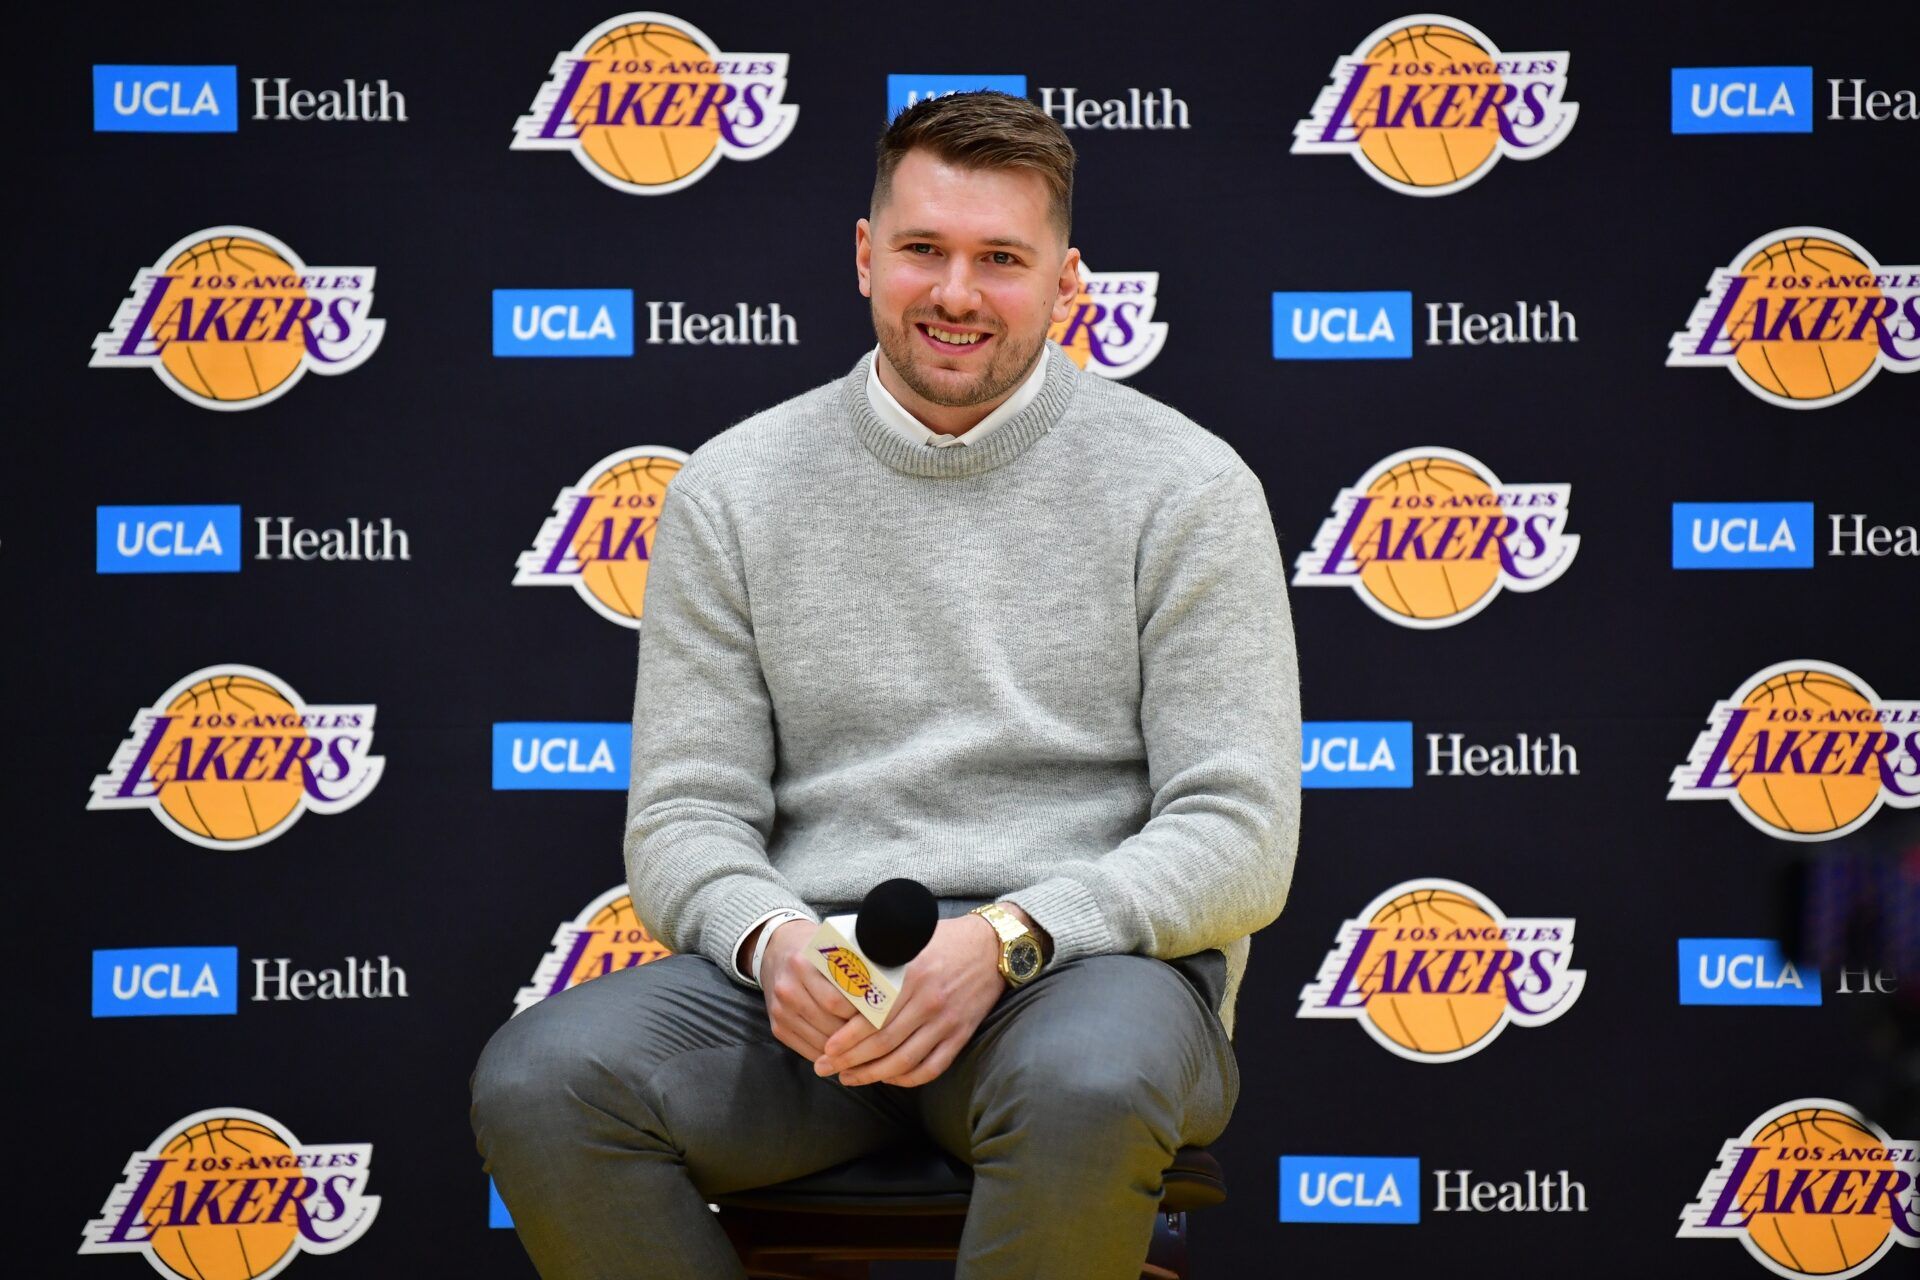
(463,885)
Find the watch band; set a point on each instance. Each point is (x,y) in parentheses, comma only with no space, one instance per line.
(1003,924)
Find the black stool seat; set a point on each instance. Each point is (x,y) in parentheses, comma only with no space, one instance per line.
(926,1180)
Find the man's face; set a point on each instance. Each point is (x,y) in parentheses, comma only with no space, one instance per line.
(966,271)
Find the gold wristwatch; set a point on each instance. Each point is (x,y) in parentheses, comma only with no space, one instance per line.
(1020,958)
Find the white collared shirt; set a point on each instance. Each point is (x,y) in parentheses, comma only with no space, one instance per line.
(895,415)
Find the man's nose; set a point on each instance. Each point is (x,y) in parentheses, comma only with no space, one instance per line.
(955,293)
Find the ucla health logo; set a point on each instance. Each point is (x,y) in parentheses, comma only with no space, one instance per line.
(231,1194)
(1429,536)
(649,105)
(605,936)
(905,90)
(231,318)
(1805,750)
(177,539)
(1743,971)
(1811,1188)
(563,322)
(1356,753)
(598,539)
(1743,535)
(1364,1190)
(1426,105)
(1434,971)
(231,756)
(145,982)
(139,99)
(1743,100)
(534,756)
(1803,318)
(1343,326)
(1111,331)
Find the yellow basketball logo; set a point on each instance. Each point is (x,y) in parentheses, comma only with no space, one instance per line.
(1434,971)
(1429,536)
(230,318)
(231,756)
(604,937)
(649,105)
(1803,318)
(1111,330)
(231,1194)
(1426,105)
(1805,750)
(599,539)
(1811,1188)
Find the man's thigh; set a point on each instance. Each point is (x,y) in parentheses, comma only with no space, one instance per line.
(1095,1040)
(673,1057)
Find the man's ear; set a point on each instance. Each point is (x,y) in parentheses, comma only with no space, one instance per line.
(863,255)
(1067,290)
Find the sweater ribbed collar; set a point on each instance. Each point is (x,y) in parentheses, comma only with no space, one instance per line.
(1005,443)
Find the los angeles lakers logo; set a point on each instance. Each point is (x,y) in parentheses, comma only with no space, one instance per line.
(1804,317)
(649,105)
(599,538)
(1805,750)
(1427,105)
(1811,1188)
(231,318)
(1430,536)
(231,756)
(231,1194)
(604,937)
(1111,331)
(1434,971)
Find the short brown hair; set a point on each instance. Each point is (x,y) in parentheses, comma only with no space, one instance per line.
(986,129)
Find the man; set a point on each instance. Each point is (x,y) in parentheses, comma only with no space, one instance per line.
(969,616)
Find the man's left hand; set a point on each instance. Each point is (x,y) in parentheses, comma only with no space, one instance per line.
(948,991)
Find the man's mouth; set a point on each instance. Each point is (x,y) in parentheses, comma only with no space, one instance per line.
(953,341)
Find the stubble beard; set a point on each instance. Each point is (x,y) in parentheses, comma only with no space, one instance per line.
(1006,368)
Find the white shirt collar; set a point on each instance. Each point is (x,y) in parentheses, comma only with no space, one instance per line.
(895,415)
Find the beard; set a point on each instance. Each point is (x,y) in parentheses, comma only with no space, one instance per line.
(1005,369)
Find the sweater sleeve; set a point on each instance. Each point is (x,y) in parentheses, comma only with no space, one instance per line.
(700,801)
(1220,713)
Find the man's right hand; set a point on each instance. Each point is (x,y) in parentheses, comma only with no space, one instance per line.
(803,1006)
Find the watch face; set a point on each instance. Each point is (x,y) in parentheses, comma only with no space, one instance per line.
(1023,960)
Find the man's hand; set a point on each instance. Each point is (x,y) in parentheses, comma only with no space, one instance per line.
(803,1006)
(948,990)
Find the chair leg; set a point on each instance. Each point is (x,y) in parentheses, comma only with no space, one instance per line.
(1167,1255)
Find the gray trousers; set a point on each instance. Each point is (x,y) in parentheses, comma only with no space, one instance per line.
(609,1114)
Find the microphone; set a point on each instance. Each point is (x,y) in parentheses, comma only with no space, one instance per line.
(866,954)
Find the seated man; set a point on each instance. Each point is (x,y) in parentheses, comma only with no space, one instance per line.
(965,615)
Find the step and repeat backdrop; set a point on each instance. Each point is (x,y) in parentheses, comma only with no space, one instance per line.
(1572,346)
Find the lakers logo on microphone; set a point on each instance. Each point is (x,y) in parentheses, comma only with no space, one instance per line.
(649,105)
(1811,1188)
(1427,105)
(1805,750)
(231,318)
(231,756)
(605,936)
(1428,538)
(231,1194)
(1434,971)
(599,538)
(1804,318)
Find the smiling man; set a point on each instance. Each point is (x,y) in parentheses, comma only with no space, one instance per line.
(964,615)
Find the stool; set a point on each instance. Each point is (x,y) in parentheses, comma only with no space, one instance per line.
(910,1203)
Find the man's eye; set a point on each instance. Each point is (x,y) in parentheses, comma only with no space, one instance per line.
(1004,259)
(922,249)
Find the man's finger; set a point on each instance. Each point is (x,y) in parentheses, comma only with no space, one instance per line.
(931,1067)
(898,1063)
(826,997)
(800,1038)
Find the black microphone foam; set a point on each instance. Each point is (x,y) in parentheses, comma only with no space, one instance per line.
(896,920)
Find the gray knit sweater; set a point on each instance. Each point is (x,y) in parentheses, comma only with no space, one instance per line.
(1055,668)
